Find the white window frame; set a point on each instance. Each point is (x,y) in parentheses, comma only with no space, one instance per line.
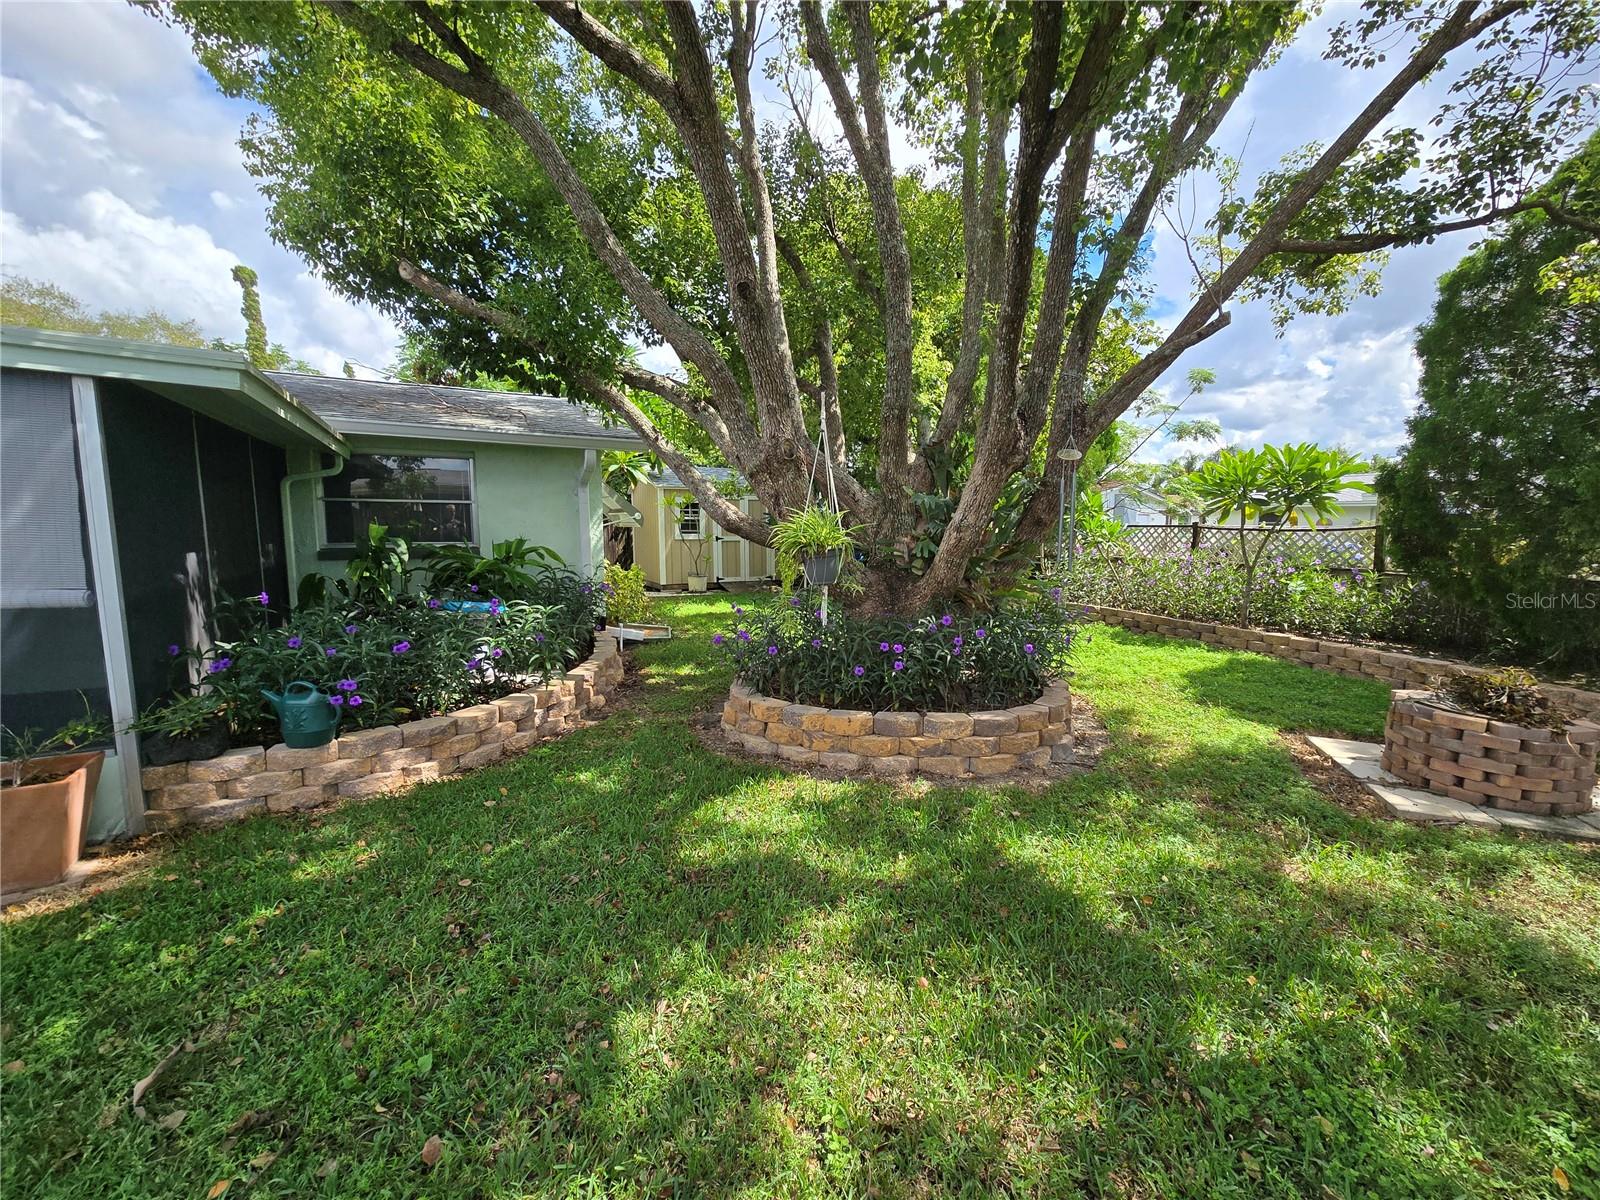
(323,499)
(699,534)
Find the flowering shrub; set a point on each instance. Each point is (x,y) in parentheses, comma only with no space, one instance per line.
(1291,593)
(391,662)
(942,662)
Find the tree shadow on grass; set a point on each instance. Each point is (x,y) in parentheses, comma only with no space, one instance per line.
(641,968)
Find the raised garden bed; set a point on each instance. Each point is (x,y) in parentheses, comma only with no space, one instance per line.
(366,762)
(1487,762)
(952,744)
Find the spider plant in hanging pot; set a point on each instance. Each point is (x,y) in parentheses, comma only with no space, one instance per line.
(813,540)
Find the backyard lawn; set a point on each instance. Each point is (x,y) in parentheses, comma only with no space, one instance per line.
(624,965)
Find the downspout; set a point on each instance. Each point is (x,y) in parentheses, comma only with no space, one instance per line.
(585,533)
(291,568)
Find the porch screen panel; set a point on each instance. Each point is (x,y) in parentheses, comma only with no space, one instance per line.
(45,564)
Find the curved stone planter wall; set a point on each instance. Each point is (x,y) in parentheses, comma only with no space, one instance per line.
(1488,762)
(957,745)
(389,758)
(1346,658)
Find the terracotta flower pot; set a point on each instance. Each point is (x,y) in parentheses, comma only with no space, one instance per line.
(43,825)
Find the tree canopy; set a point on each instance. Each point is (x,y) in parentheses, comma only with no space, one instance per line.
(1496,499)
(537,188)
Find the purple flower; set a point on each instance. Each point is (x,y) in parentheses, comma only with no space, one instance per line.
(859,671)
(744,635)
(884,646)
(263,599)
(816,643)
(472,587)
(716,639)
(958,641)
(474,663)
(946,619)
(738,610)
(351,628)
(956,651)
(538,637)
(1028,648)
(174,650)
(330,652)
(496,652)
(819,613)
(772,649)
(1055,593)
(348,685)
(400,647)
(898,665)
(336,700)
(356,702)
(433,604)
(899,649)
(219,664)
(495,606)
(982,633)
(794,602)
(294,643)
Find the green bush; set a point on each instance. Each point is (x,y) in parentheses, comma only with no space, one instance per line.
(626,602)
(940,662)
(1291,593)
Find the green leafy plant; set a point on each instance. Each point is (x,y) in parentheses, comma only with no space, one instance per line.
(186,717)
(23,748)
(506,571)
(1509,694)
(626,602)
(808,533)
(376,573)
(624,470)
(1278,485)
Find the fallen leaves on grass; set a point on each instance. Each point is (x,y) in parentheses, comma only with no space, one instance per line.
(432,1151)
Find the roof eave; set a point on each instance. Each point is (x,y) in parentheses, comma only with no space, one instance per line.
(364,427)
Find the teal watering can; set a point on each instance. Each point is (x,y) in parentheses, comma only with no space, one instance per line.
(304,715)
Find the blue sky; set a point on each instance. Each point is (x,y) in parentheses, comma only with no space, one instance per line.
(122,182)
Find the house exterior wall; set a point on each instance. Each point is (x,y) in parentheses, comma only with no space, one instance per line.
(518,491)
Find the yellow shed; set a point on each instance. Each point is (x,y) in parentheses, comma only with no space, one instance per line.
(675,539)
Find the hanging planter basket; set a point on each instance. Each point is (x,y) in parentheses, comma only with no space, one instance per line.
(823,569)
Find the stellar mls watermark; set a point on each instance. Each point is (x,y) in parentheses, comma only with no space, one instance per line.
(1573,601)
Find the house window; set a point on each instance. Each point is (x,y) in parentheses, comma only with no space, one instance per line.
(689,523)
(420,497)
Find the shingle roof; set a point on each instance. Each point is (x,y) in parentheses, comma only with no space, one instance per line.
(354,405)
(666,479)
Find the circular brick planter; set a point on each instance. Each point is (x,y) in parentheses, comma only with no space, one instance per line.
(1488,762)
(956,745)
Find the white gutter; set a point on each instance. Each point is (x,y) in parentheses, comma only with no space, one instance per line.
(291,568)
(585,532)
(366,427)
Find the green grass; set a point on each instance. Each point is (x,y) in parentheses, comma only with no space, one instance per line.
(624,965)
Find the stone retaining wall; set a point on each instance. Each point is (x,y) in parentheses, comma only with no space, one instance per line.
(1488,762)
(366,762)
(1347,658)
(957,745)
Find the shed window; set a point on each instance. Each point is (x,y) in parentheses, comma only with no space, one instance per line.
(422,498)
(689,523)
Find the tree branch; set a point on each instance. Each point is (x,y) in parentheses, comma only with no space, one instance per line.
(1361,243)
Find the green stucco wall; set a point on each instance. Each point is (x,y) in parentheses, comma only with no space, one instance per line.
(519,491)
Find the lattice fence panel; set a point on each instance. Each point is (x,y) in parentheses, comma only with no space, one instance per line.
(1352,548)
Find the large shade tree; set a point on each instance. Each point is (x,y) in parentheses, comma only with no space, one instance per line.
(538,187)
(1495,501)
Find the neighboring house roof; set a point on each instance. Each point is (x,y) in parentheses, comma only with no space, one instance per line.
(719,475)
(422,410)
(216,383)
(1345,497)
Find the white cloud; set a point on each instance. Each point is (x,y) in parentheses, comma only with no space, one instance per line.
(1318,368)
(224,201)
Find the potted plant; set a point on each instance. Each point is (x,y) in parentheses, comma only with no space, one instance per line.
(183,729)
(814,540)
(46,793)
